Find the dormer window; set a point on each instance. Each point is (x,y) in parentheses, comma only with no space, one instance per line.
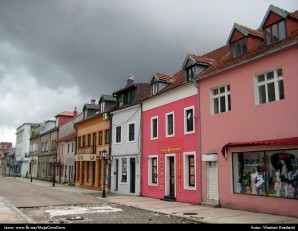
(119,99)
(154,88)
(102,107)
(190,73)
(132,97)
(239,48)
(275,32)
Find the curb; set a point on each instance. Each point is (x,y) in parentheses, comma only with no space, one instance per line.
(17,211)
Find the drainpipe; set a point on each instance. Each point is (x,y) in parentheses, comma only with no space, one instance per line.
(140,149)
(75,164)
(200,141)
(110,149)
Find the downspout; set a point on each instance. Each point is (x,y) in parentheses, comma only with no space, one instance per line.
(200,142)
(110,148)
(75,164)
(141,150)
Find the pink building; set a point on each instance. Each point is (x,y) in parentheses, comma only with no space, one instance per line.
(249,119)
(170,147)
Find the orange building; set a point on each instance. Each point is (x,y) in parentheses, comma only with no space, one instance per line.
(93,136)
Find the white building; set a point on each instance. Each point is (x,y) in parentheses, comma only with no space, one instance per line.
(22,148)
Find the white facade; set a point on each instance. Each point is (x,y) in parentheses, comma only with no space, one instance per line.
(126,152)
(22,147)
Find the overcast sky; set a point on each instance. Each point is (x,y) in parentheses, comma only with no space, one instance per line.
(58,54)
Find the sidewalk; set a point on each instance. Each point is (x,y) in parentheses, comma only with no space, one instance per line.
(199,213)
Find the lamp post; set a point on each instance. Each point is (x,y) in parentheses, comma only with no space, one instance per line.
(54,174)
(31,169)
(103,156)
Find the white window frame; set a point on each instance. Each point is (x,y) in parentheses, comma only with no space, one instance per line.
(116,135)
(226,94)
(186,170)
(275,80)
(129,141)
(166,119)
(150,157)
(185,120)
(151,128)
(155,88)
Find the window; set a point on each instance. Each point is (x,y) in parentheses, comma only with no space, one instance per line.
(133,96)
(100,138)
(102,107)
(221,99)
(72,147)
(131,132)
(107,137)
(46,146)
(119,99)
(154,88)
(189,120)
(68,148)
(79,142)
(152,170)
(275,32)
(89,139)
(118,134)
(124,170)
(190,73)
(84,141)
(239,48)
(189,171)
(154,128)
(170,124)
(270,86)
(271,173)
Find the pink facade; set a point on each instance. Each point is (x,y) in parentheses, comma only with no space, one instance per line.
(178,147)
(249,121)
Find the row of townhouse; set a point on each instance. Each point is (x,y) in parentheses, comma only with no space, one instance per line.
(223,130)
(8,166)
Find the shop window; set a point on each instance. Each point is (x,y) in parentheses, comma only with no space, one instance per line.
(189,171)
(266,173)
(152,170)
(124,170)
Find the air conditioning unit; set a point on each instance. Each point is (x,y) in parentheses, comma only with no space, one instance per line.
(105,116)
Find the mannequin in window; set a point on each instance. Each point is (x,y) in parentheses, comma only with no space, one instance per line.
(284,170)
(277,184)
(253,181)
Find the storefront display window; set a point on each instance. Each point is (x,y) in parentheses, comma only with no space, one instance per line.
(266,173)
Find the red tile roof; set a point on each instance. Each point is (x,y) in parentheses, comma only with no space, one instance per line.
(164,77)
(294,14)
(201,59)
(68,137)
(65,113)
(253,32)
(227,62)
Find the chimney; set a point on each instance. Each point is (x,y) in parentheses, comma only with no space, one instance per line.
(93,101)
(130,80)
(75,112)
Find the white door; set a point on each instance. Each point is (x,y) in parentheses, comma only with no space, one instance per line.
(212,174)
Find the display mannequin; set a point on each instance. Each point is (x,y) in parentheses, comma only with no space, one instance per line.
(277,184)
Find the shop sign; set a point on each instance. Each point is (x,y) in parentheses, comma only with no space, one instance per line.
(170,149)
(85,157)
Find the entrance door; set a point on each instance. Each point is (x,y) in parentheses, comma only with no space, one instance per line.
(172,176)
(212,174)
(132,175)
(117,173)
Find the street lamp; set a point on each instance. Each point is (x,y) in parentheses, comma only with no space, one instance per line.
(103,156)
(54,174)
(31,164)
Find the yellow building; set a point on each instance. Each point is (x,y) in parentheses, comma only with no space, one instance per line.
(93,137)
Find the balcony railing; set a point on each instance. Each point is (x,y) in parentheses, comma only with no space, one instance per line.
(87,150)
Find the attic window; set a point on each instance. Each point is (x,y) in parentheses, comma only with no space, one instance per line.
(239,48)
(275,32)
(154,88)
(190,73)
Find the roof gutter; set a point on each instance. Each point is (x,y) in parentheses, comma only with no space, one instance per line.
(246,61)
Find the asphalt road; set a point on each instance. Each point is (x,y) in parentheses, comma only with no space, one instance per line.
(45,204)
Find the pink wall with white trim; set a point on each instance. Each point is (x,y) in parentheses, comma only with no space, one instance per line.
(250,122)
(187,143)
